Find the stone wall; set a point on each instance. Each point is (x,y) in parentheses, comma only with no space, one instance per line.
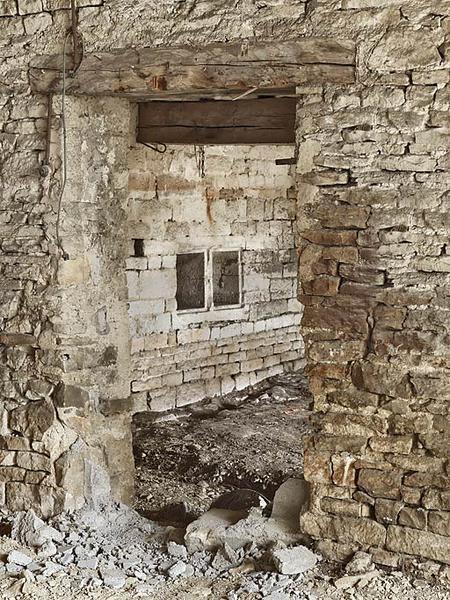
(373,181)
(219,198)
(373,184)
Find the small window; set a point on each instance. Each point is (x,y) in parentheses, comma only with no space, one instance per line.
(190,281)
(139,249)
(226,278)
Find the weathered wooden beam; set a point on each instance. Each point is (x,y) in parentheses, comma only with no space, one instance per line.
(261,121)
(150,72)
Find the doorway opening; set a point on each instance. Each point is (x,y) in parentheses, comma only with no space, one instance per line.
(217,355)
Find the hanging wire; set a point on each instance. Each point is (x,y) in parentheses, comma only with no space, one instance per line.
(64,147)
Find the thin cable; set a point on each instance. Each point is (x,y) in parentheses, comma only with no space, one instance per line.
(64,146)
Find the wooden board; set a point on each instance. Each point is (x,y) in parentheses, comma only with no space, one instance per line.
(261,121)
(162,72)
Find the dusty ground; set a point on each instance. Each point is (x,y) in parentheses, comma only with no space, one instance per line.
(247,440)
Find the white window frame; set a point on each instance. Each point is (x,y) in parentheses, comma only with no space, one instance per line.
(208,281)
(240,271)
(205,308)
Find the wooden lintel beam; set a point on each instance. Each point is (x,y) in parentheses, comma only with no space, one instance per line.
(261,121)
(151,72)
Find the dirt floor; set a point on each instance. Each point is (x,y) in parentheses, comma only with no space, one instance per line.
(249,440)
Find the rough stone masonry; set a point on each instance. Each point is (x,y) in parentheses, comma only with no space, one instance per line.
(373,220)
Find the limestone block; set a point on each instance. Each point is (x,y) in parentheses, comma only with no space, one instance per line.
(418,423)
(162,399)
(33,419)
(45,500)
(436,499)
(29,6)
(72,396)
(416,163)
(336,506)
(401,444)
(353,425)
(8,8)
(361,274)
(404,49)
(439,522)
(387,511)
(33,461)
(411,495)
(380,483)
(419,543)
(413,517)
(335,551)
(427,479)
(317,466)
(157,284)
(136,263)
(345,530)
(343,467)
(9,473)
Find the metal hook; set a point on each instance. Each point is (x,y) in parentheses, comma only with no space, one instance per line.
(158,147)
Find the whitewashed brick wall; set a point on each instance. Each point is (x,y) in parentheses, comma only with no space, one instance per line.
(242,200)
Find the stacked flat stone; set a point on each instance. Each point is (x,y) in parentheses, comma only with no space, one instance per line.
(374,179)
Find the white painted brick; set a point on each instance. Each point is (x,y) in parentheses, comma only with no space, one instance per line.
(162,399)
(212,388)
(154,261)
(189,393)
(145,307)
(136,263)
(169,261)
(145,385)
(231,330)
(157,284)
(172,379)
(132,284)
(189,336)
(242,381)
(227,385)
(137,345)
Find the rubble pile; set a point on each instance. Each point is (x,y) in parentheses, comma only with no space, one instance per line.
(113,552)
(113,546)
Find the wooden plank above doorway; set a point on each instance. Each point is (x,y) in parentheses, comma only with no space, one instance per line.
(260,121)
(173,73)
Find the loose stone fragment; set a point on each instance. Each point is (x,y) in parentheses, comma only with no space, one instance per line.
(290,561)
(113,578)
(360,563)
(19,558)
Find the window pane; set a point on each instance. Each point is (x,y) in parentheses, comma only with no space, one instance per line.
(226,278)
(190,281)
